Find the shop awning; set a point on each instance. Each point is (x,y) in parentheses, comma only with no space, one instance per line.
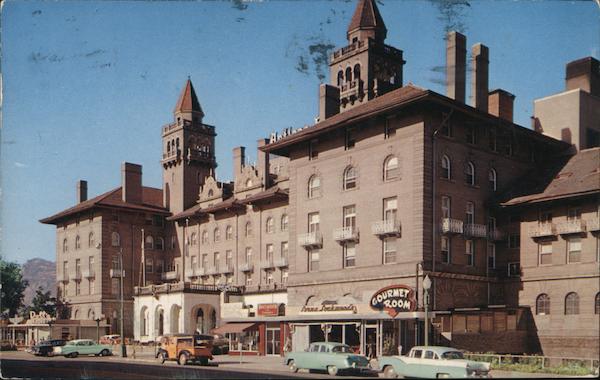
(233,328)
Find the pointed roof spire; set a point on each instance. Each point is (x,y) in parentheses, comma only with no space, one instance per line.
(188,101)
(367,16)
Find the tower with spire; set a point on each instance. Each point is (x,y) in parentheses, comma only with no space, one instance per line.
(188,152)
(366,67)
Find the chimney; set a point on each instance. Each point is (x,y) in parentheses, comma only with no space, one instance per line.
(456,66)
(239,160)
(329,101)
(81,191)
(263,162)
(479,78)
(131,182)
(584,73)
(500,103)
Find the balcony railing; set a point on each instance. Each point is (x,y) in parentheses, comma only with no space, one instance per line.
(116,273)
(267,264)
(386,228)
(281,262)
(452,226)
(347,49)
(542,230)
(345,234)
(171,155)
(593,224)
(475,230)
(495,234)
(310,240)
(199,155)
(574,226)
(171,275)
(246,267)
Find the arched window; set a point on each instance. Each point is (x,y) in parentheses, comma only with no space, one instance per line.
(314,186)
(470,174)
(357,72)
(391,168)
(284,222)
(76,314)
(248,229)
(217,235)
(348,74)
(193,239)
(115,239)
(204,237)
(597,304)
(77,242)
(65,247)
(350,177)
(177,143)
(493,178)
(91,240)
(228,233)
(149,242)
(210,193)
(160,243)
(91,314)
(542,304)
(269,226)
(340,78)
(168,147)
(446,168)
(572,304)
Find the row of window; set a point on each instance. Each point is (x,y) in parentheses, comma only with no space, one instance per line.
(91,242)
(91,288)
(470,173)
(542,304)
(269,229)
(502,144)
(574,250)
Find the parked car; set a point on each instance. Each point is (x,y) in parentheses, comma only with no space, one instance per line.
(185,349)
(78,347)
(48,347)
(427,362)
(110,339)
(329,356)
(220,345)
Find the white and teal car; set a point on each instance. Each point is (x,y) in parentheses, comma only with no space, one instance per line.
(332,357)
(77,347)
(431,362)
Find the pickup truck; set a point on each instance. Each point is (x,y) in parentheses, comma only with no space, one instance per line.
(332,357)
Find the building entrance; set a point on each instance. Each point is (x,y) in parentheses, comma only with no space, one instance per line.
(273,339)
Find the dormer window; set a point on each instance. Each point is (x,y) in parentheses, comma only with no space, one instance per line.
(210,193)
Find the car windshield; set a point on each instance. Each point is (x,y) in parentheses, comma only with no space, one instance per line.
(342,349)
(449,355)
(202,339)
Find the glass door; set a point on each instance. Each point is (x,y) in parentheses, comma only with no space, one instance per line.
(273,341)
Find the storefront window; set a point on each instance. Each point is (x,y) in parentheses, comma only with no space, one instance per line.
(245,341)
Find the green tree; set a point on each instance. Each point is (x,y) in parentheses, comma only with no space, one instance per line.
(42,301)
(13,288)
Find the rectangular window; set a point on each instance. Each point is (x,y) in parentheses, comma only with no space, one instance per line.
(349,255)
(217,261)
(445,207)
(349,215)
(284,276)
(446,129)
(205,261)
(284,249)
(91,264)
(160,266)
(471,134)
(66,269)
(115,263)
(350,138)
(574,214)
(491,256)
(545,252)
(545,217)
(269,277)
(574,250)
(77,288)
(470,213)
(78,267)
(248,255)
(149,266)
(493,141)
(269,252)
(313,152)
(514,269)
(313,260)
(114,286)
(389,250)
(445,250)
(194,263)
(313,222)
(514,241)
(248,279)
(388,130)
(229,259)
(92,286)
(470,252)
(390,208)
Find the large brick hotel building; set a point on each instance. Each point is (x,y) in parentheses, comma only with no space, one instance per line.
(393,183)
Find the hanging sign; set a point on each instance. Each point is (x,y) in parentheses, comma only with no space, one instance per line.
(320,309)
(394,299)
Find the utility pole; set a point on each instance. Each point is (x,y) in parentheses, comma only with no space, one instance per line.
(123,347)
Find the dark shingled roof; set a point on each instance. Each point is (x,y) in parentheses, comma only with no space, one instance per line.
(152,201)
(574,176)
(366,15)
(197,210)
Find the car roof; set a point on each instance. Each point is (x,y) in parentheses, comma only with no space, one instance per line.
(436,349)
(330,344)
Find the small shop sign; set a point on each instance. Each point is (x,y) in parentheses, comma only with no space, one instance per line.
(329,308)
(39,318)
(394,299)
(268,309)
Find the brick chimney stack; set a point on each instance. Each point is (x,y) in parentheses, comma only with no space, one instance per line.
(329,101)
(239,159)
(263,162)
(81,191)
(584,73)
(131,182)
(456,66)
(501,103)
(479,77)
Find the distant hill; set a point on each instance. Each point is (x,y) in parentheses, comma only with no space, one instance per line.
(39,272)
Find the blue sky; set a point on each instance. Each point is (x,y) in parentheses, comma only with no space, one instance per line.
(87,85)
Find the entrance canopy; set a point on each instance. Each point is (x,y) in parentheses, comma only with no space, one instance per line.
(233,328)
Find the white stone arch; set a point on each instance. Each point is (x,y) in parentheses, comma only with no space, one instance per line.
(174,317)
(144,321)
(159,321)
(203,318)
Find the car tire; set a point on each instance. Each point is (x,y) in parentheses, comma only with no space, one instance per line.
(332,370)
(292,366)
(203,361)
(104,352)
(73,354)
(182,359)
(389,372)
(161,357)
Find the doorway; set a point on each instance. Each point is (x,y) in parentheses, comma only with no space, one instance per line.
(273,340)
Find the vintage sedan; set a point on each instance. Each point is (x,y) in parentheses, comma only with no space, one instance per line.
(48,347)
(328,356)
(78,347)
(428,362)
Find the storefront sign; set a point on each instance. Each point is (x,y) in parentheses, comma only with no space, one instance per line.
(342,309)
(394,299)
(39,318)
(267,309)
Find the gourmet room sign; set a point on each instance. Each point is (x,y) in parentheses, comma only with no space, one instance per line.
(394,299)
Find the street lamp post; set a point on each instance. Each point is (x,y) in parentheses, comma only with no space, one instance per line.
(100,318)
(121,272)
(426,287)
